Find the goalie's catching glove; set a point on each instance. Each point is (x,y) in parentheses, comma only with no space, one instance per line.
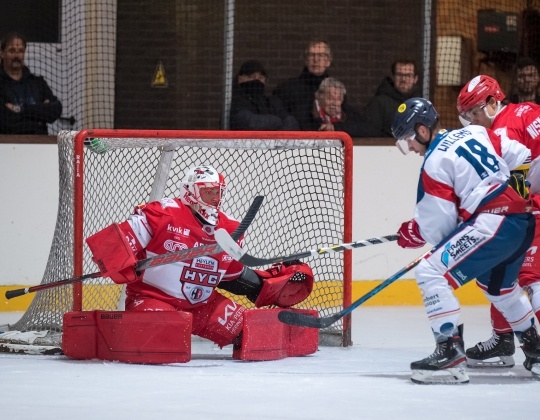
(285,284)
(282,284)
(409,235)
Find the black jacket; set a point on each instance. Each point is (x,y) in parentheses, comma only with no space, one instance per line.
(29,93)
(251,109)
(298,93)
(380,110)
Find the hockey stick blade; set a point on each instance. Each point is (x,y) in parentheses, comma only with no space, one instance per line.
(156,260)
(230,246)
(303,320)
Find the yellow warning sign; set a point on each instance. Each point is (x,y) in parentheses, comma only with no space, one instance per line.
(159,80)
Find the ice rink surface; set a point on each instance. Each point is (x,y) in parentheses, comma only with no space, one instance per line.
(368,381)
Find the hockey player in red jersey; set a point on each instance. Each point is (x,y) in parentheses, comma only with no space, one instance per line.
(481,102)
(481,229)
(189,221)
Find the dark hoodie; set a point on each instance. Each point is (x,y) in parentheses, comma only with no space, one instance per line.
(29,93)
(380,110)
(298,93)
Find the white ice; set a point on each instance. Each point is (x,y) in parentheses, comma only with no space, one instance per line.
(367,381)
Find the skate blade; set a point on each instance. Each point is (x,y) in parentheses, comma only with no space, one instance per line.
(535,371)
(451,376)
(494,362)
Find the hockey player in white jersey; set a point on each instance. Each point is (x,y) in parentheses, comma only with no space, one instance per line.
(481,229)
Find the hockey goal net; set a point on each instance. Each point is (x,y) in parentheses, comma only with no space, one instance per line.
(305,179)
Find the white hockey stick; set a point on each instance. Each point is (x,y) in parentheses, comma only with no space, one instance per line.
(229,245)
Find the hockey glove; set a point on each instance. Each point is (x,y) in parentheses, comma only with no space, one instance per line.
(519,184)
(409,235)
(285,284)
(113,255)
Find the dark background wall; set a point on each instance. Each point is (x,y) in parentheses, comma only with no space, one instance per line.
(187,36)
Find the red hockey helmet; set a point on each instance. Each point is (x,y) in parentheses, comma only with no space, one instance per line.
(477,93)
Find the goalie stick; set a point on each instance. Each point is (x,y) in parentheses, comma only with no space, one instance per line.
(156,260)
(230,246)
(303,320)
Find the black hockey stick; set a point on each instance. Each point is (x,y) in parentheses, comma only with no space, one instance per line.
(230,246)
(156,260)
(303,320)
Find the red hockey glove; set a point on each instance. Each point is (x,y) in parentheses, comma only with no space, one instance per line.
(409,235)
(285,284)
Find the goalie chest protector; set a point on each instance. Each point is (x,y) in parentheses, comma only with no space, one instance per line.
(131,337)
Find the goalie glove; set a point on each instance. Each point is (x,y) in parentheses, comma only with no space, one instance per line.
(285,284)
(409,235)
(113,254)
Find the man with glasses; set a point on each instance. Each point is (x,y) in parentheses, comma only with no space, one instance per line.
(392,91)
(298,93)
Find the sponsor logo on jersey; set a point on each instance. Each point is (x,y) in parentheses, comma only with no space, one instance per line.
(534,128)
(458,248)
(172,246)
(226,257)
(205,263)
(178,230)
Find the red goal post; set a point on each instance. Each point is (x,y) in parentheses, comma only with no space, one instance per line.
(305,177)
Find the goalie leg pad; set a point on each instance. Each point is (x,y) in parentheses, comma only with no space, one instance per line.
(130,337)
(264,337)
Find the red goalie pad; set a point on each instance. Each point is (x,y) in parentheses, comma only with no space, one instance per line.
(285,285)
(113,254)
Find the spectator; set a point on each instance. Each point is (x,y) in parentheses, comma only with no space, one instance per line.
(391,92)
(331,113)
(297,94)
(251,109)
(526,81)
(27,103)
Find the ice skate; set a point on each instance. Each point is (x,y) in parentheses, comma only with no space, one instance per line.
(497,351)
(530,344)
(445,366)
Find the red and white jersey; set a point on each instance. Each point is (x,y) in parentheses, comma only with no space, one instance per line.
(169,225)
(462,171)
(520,122)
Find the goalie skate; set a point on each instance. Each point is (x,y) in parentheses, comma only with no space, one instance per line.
(445,366)
(497,351)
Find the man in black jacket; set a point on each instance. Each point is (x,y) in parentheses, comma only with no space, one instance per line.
(251,109)
(27,103)
(390,94)
(298,93)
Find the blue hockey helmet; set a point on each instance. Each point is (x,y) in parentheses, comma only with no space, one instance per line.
(409,115)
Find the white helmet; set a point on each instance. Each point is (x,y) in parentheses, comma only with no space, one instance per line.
(190,194)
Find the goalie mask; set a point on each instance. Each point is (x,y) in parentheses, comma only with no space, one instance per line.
(203,189)
(475,95)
